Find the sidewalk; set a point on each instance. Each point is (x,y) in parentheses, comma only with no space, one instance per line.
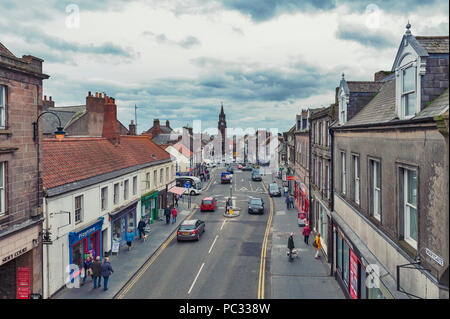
(127,263)
(305,277)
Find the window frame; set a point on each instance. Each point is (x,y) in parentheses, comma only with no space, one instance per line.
(126,189)
(81,209)
(134,185)
(116,195)
(356,178)
(343,173)
(3,106)
(406,209)
(404,94)
(3,185)
(104,199)
(374,173)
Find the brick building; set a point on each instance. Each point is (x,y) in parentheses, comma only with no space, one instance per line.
(21,86)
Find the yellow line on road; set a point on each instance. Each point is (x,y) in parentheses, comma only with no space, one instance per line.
(127,288)
(262,265)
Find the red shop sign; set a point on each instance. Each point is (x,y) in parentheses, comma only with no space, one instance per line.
(353,275)
(290,178)
(23,282)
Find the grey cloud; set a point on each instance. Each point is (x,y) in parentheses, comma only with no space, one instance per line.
(161,38)
(365,36)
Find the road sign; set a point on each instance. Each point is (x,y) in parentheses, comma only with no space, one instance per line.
(187,185)
(290,177)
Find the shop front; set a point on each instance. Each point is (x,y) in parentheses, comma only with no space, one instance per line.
(149,207)
(301,198)
(121,222)
(83,242)
(356,276)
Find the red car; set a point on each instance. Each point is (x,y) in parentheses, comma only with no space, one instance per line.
(240,166)
(208,204)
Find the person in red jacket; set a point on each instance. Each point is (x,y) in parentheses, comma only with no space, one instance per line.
(306,232)
(174,215)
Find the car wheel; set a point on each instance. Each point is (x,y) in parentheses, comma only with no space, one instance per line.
(192,193)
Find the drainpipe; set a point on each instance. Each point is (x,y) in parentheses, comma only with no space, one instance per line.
(309,170)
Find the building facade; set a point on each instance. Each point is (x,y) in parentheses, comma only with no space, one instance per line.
(21,87)
(390,218)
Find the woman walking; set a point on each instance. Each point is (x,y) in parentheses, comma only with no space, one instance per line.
(174,215)
(317,245)
(306,232)
(129,237)
(106,271)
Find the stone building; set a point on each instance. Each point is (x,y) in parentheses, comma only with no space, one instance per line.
(21,87)
(390,218)
(320,186)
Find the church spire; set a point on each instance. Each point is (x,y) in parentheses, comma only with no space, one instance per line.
(221,109)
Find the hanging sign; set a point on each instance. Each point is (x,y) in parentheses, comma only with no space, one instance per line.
(23,282)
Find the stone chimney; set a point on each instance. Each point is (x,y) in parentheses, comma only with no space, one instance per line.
(110,129)
(46,104)
(380,75)
(132,128)
(156,127)
(167,123)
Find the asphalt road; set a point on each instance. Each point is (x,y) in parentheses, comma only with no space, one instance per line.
(225,263)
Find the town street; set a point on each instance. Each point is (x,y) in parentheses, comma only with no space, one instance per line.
(225,263)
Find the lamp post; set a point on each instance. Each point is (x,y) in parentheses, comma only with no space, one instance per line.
(59,134)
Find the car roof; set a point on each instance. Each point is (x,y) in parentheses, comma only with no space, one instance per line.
(189,222)
(256,198)
(208,198)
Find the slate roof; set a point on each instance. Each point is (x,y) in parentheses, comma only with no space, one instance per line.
(381,109)
(434,44)
(364,86)
(163,139)
(76,159)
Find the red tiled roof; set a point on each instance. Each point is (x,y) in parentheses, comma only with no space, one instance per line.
(73,159)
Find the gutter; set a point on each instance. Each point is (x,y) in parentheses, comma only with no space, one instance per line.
(386,124)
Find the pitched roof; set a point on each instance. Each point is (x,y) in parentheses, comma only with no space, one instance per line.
(434,44)
(181,148)
(364,86)
(5,50)
(76,159)
(381,109)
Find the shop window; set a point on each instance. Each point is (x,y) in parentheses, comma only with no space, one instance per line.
(339,252)
(78,253)
(117,230)
(345,262)
(131,221)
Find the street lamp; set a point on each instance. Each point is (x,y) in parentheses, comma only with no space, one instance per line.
(59,134)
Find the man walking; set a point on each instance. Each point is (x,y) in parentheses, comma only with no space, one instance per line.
(129,238)
(288,202)
(176,200)
(167,213)
(96,272)
(106,271)
(291,244)
(141,228)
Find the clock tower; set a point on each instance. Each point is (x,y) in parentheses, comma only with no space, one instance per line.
(222,128)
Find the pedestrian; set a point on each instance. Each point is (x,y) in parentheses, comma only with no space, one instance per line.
(306,232)
(291,201)
(167,213)
(96,272)
(291,244)
(317,245)
(176,200)
(174,215)
(106,271)
(87,268)
(288,202)
(141,228)
(129,238)
(286,191)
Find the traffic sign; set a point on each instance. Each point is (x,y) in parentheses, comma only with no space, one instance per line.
(290,177)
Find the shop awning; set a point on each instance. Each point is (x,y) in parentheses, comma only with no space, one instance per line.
(177,190)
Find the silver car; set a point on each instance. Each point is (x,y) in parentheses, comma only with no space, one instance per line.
(190,229)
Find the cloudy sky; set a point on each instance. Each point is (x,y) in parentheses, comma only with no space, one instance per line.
(180,59)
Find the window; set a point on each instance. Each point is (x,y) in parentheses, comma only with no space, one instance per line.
(346,261)
(314,133)
(410,207)
(339,252)
(134,185)
(356,181)
(375,187)
(2,188)
(408,97)
(147,180)
(78,209)
(104,198)
(126,189)
(320,133)
(173,171)
(116,193)
(327,133)
(304,123)
(161,171)
(343,173)
(155,177)
(167,174)
(2,106)
(327,183)
(314,172)
(319,176)
(299,125)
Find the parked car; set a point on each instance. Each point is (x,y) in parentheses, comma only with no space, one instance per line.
(190,229)
(229,169)
(274,190)
(208,204)
(256,176)
(240,166)
(256,206)
(247,168)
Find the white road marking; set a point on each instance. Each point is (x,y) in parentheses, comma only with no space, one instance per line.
(217,236)
(251,186)
(192,286)
(223,224)
(281,213)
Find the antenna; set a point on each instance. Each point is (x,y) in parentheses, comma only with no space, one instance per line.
(135,116)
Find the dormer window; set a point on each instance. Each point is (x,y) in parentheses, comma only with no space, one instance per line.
(408,95)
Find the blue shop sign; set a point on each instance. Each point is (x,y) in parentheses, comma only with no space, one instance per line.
(77,236)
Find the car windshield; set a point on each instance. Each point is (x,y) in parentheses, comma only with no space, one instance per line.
(255,171)
(187,227)
(255,201)
(273,187)
(207,202)
(198,185)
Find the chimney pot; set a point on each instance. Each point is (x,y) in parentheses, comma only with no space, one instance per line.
(45,97)
(50,98)
(89,93)
(101,95)
(96,94)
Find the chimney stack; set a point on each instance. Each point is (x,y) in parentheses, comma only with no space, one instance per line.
(167,123)
(132,128)
(156,128)
(380,75)
(46,104)
(110,128)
